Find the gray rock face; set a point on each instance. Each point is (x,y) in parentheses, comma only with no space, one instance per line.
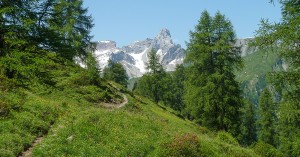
(138,46)
(244,45)
(122,56)
(105,45)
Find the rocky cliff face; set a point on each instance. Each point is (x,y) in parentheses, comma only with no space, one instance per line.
(134,56)
(246,49)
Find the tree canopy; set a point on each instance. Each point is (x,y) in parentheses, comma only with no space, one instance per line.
(115,72)
(284,36)
(212,95)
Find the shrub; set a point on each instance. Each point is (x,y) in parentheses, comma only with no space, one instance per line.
(266,150)
(227,138)
(4,110)
(183,145)
(11,101)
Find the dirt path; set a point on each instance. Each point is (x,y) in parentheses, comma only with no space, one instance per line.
(115,105)
(28,152)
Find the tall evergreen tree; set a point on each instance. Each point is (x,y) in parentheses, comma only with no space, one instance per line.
(93,69)
(266,118)
(174,88)
(285,36)
(152,84)
(248,126)
(30,30)
(70,28)
(213,96)
(115,72)
(153,64)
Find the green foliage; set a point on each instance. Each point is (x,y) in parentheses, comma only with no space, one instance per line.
(285,37)
(93,69)
(153,84)
(30,31)
(266,118)
(116,73)
(174,89)
(70,27)
(153,64)
(266,150)
(254,75)
(21,125)
(227,138)
(212,95)
(186,145)
(248,126)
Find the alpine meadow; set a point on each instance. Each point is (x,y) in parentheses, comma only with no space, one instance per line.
(64,94)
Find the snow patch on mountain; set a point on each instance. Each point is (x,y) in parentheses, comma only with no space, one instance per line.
(139,60)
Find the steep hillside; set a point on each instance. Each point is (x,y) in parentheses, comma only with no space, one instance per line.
(253,76)
(75,121)
(141,128)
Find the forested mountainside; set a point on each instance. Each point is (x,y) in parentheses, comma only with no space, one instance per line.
(52,106)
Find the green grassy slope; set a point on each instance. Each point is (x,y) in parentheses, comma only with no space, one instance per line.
(67,113)
(74,126)
(142,128)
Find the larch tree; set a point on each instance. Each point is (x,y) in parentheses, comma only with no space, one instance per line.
(31,31)
(248,124)
(213,96)
(115,72)
(70,28)
(152,84)
(285,37)
(266,118)
(93,69)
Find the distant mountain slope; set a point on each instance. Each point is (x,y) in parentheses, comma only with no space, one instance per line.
(253,76)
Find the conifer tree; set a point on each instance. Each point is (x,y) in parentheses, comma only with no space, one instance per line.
(213,96)
(285,37)
(115,72)
(248,127)
(93,69)
(31,29)
(152,84)
(266,118)
(70,28)
(174,88)
(153,64)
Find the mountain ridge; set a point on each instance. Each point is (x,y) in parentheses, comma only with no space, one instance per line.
(134,55)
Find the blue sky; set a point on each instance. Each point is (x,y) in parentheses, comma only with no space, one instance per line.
(126,21)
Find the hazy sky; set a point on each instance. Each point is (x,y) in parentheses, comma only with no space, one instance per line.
(126,21)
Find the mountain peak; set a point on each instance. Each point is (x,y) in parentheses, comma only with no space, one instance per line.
(164,33)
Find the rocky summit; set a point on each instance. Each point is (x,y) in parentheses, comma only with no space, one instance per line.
(134,56)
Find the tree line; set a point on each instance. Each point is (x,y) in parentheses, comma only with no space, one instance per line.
(204,88)
(34,35)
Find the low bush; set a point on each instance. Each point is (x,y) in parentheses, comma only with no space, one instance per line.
(184,146)
(227,138)
(266,150)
